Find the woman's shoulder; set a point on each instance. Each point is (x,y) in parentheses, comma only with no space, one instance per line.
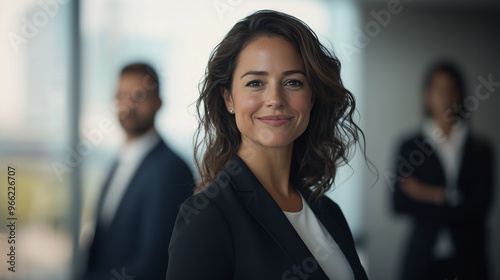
(201,236)
(211,200)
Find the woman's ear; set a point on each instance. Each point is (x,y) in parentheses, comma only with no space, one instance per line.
(228,99)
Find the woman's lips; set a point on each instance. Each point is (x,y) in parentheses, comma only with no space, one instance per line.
(276,120)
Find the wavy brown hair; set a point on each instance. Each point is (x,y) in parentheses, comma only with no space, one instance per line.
(326,142)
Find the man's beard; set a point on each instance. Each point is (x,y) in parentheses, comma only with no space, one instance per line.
(137,127)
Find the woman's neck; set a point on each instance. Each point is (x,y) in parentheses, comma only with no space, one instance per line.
(271,166)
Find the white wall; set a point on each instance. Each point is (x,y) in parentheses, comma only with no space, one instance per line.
(395,60)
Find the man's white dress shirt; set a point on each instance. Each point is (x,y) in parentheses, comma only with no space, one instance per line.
(131,156)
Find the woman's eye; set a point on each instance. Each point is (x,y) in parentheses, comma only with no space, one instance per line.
(293,83)
(254,83)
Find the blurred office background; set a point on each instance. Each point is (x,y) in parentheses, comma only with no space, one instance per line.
(59,64)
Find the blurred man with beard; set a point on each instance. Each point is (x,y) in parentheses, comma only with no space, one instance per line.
(140,198)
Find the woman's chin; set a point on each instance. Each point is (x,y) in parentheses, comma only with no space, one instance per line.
(276,143)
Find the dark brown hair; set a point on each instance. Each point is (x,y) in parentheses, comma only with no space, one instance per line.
(323,146)
(146,70)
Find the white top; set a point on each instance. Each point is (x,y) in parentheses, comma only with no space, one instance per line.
(131,156)
(321,244)
(449,150)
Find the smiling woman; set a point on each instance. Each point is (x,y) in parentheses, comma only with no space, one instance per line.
(276,122)
(324,145)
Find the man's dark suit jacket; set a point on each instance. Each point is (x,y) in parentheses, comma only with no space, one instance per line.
(136,241)
(466,221)
(234,229)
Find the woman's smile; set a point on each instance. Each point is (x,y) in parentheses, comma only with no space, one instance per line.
(276,120)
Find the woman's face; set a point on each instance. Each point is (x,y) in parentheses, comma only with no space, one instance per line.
(270,94)
(442,95)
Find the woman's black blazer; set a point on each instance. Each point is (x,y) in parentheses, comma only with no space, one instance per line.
(234,229)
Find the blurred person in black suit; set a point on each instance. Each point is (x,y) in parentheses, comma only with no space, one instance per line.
(445,185)
(142,194)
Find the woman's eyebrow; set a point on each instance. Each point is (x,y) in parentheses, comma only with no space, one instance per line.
(291,72)
(258,73)
(264,73)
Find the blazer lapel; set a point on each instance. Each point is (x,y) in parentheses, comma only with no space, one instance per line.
(268,214)
(337,231)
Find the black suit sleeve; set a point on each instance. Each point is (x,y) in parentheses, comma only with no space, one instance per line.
(474,204)
(201,244)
